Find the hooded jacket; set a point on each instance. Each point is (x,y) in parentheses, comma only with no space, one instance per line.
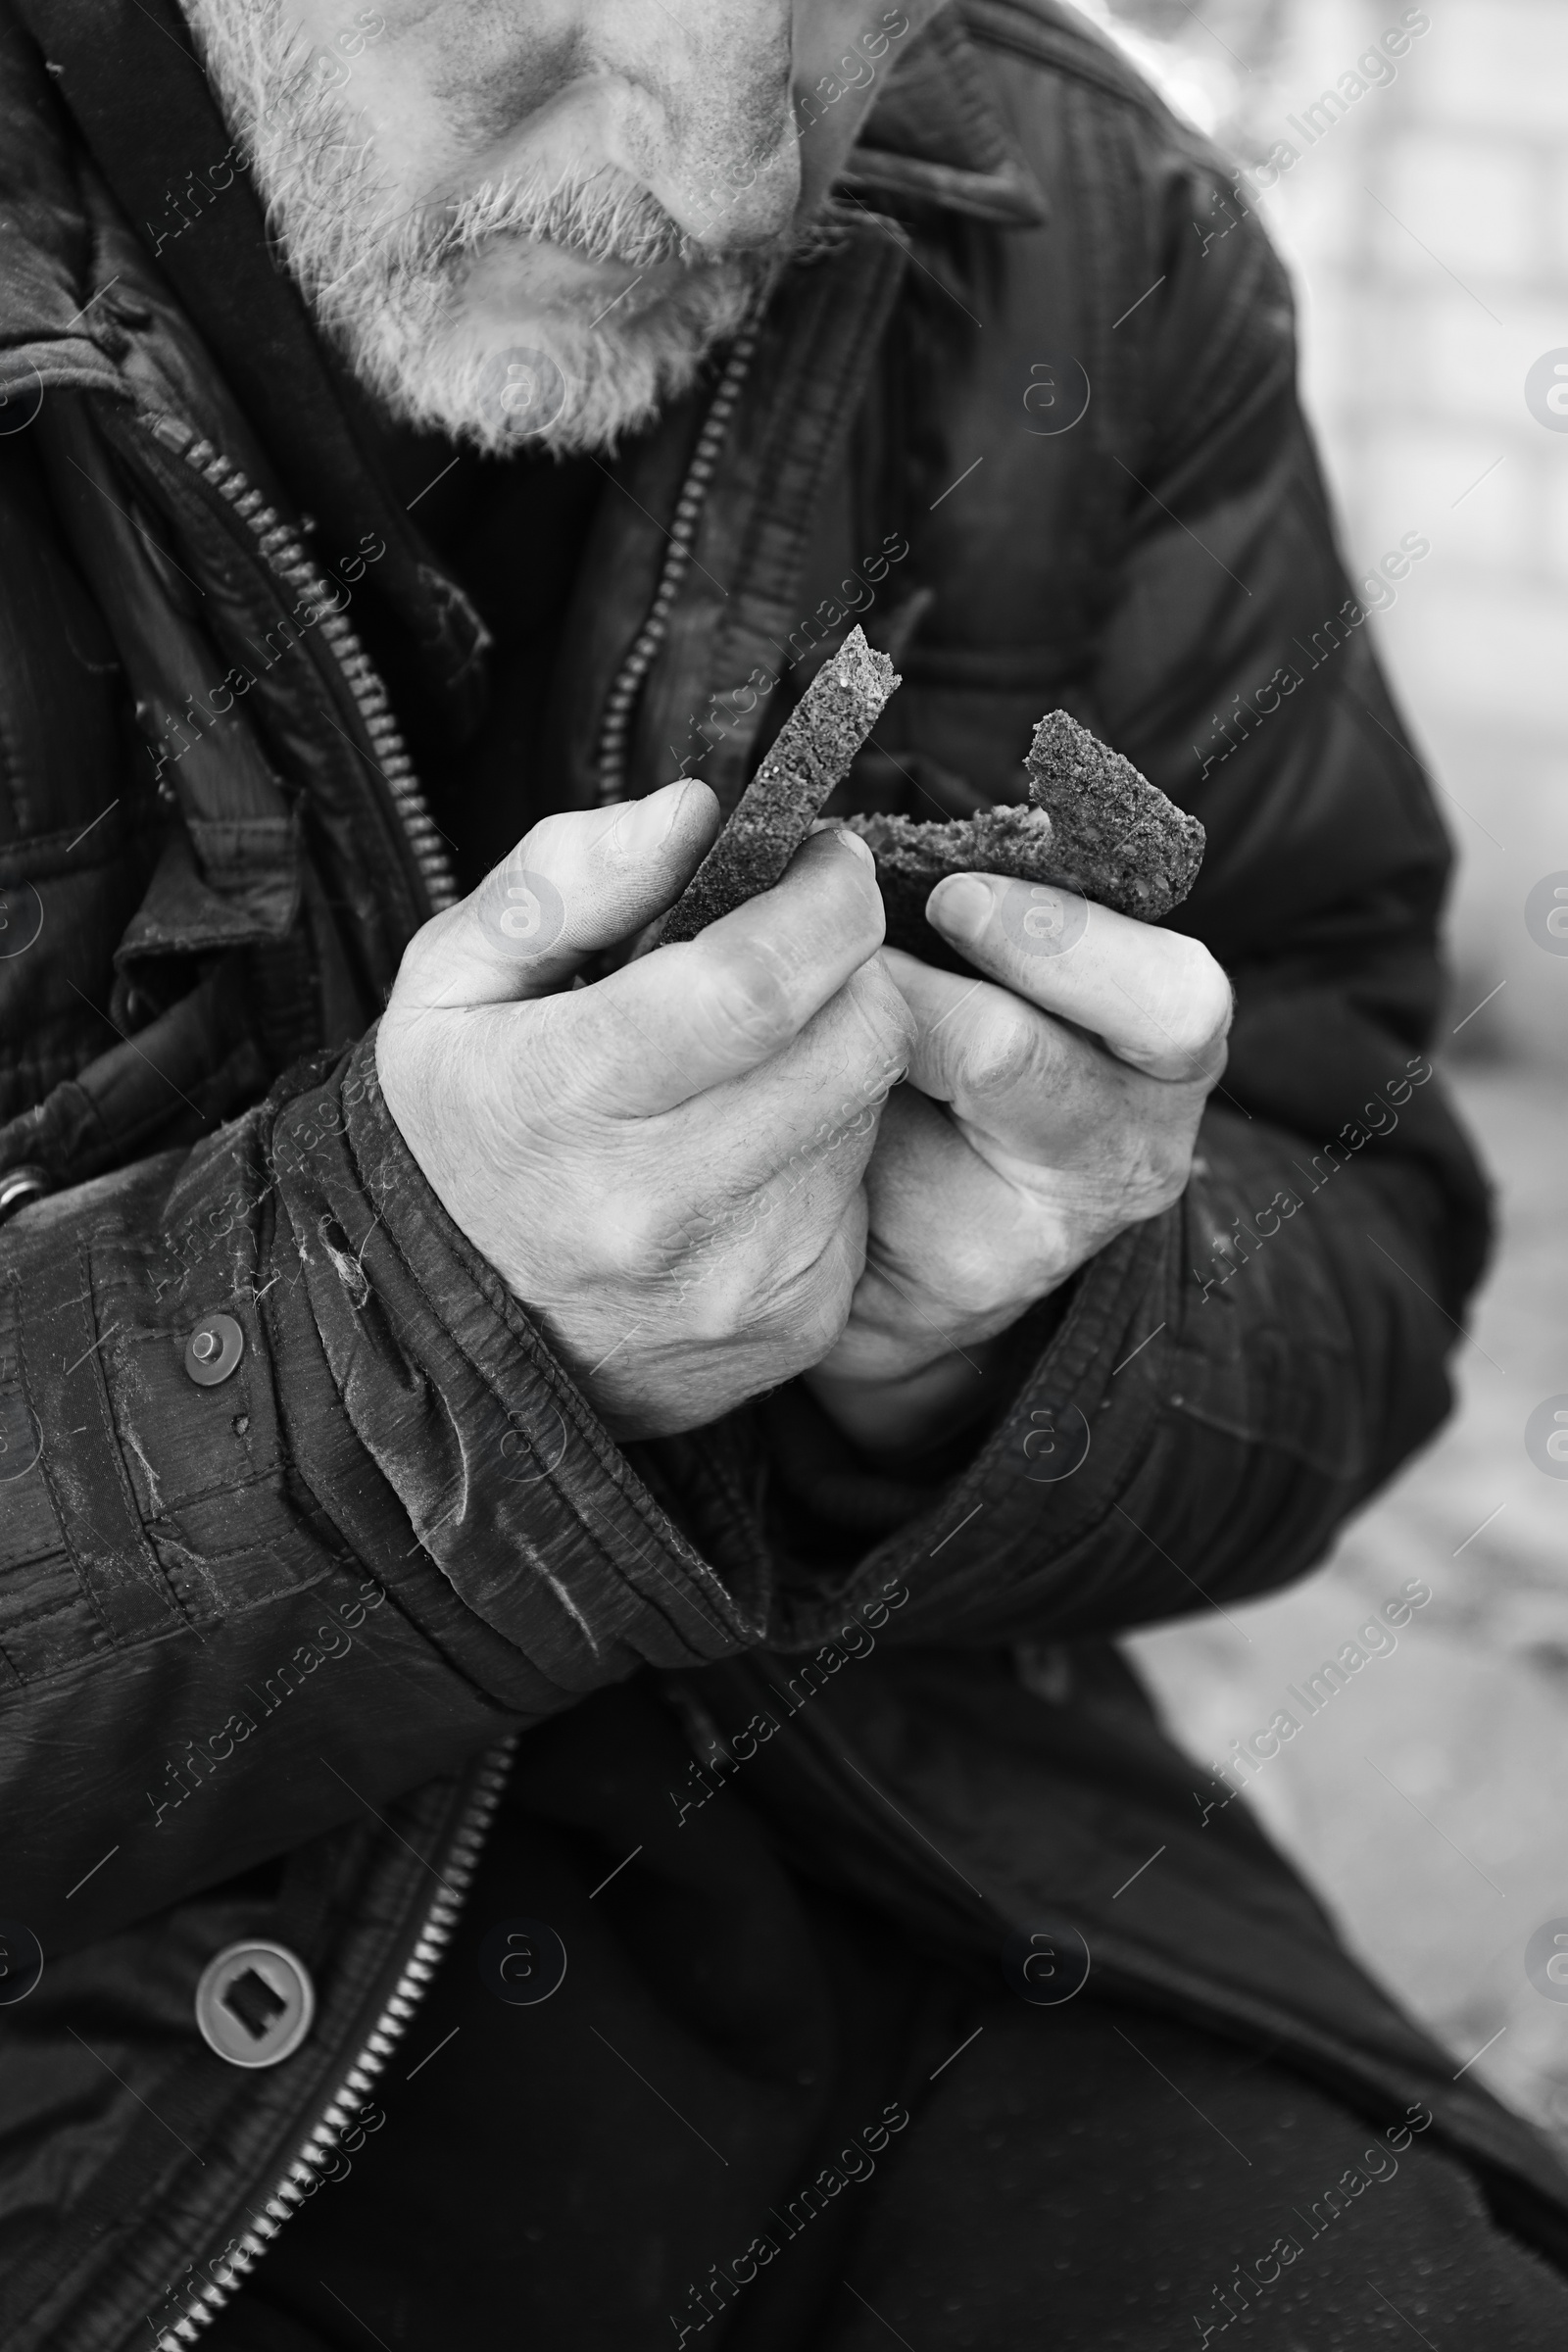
(267,1640)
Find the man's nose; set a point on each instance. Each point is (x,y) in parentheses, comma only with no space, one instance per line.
(729,171)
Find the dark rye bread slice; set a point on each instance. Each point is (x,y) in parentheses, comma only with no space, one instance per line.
(773,816)
(1093,824)
(1117,838)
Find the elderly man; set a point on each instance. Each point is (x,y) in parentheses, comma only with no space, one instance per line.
(562,1510)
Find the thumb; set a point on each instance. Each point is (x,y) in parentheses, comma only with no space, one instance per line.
(577,883)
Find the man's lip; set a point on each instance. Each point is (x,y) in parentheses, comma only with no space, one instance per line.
(604,270)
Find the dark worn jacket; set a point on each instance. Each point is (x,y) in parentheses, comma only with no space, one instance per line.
(262,1642)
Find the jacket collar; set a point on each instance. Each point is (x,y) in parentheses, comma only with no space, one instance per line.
(936,137)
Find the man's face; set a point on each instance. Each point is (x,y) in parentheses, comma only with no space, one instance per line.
(528,220)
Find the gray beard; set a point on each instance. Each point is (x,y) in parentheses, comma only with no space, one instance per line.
(385,283)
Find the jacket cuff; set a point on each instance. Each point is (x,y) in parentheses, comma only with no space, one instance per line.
(1176,1438)
(1029,1484)
(449,1421)
(827,1497)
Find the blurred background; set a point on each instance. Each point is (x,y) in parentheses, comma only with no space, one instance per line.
(1425,221)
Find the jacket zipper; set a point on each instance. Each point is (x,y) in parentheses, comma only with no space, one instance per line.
(285,556)
(622,696)
(283,551)
(307,2168)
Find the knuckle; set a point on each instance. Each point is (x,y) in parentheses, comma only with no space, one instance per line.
(883,1031)
(864,917)
(1002,1052)
(829,1317)
(843,885)
(823,1307)
(976,1277)
(721,1297)
(763,1291)
(799,1279)
(748,996)
(633,1238)
(826,910)
(888,1011)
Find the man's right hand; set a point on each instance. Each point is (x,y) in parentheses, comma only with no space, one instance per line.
(664,1165)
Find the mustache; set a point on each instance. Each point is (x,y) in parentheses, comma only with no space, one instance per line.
(602,215)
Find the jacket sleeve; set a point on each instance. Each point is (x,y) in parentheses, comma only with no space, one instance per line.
(234,1614)
(1233,1378)
(1236,667)
(1228,1383)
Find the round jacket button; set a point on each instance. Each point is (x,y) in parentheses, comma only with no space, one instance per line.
(254,2003)
(213,1350)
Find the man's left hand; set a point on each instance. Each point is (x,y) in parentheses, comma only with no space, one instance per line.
(1053,1101)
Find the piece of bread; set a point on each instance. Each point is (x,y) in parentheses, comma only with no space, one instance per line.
(1092,824)
(1117,838)
(773,816)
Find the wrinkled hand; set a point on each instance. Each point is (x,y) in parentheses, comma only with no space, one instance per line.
(664,1165)
(1053,1101)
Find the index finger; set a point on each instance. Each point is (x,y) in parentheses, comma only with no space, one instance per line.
(1156,998)
(689,1016)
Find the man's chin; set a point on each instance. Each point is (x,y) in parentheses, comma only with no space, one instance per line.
(571,356)
(470,320)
